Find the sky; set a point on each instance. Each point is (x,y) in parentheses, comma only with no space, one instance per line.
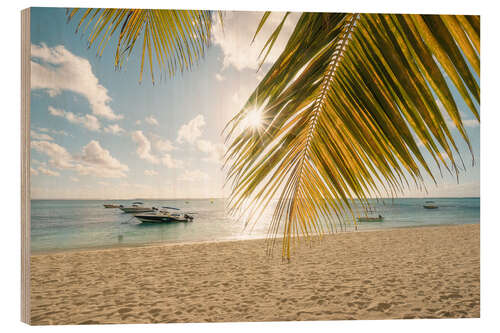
(98,133)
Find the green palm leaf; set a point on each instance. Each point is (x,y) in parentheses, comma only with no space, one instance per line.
(342,109)
(174,40)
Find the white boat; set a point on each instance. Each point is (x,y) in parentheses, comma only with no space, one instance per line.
(111,206)
(378,218)
(165,215)
(430,205)
(371,216)
(136,207)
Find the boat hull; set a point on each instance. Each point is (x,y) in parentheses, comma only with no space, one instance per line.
(370,219)
(136,209)
(111,206)
(430,207)
(161,219)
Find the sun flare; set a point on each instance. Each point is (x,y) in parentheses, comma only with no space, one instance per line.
(254,119)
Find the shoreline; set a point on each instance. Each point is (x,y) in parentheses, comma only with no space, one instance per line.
(278,239)
(423,272)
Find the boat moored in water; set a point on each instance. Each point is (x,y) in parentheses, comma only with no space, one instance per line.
(136,207)
(378,218)
(165,215)
(371,216)
(111,206)
(430,205)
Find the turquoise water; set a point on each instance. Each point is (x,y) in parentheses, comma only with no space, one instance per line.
(73,224)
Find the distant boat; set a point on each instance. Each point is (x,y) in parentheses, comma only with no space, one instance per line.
(165,215)
(378,218)
(371,216)
(430,205)
(111,206)
(137,207)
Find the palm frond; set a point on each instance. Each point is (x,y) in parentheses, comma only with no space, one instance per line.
(172,40)
(343,108)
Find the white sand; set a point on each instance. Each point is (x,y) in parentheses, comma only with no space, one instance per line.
(404,273)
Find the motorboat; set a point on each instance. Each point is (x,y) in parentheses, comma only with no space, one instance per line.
(111,206)
(371,216)
(136,207)
(430,205)
(378,218)
(165,215)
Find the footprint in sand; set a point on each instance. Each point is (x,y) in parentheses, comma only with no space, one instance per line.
(124,310)
(381,307)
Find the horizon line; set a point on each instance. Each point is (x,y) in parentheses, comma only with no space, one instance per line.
(206,198)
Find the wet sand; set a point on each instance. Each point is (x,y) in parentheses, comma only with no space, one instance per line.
(428,272)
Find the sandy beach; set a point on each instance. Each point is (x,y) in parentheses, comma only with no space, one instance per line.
(428,272)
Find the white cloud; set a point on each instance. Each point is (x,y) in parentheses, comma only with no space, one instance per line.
(471,123)
(53,131)
(114,129)
(144,147)
(241,95)
(59,157)
(88,121)
(40,136)
(151,121)
(144,151)
(192,130)
(61,132)
(219,77)
(449,121)
(215,151)
(170,162)
(204,146)
(42,168)
(48,172)
(93,160)
(191,133)
(162,145)
(193,176)
(96,159)
(239,99)
(236,36)
(58,69)
(150,173)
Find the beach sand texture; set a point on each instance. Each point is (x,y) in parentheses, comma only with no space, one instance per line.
(428,272)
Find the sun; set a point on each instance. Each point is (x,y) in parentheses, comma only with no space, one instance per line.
(254,119)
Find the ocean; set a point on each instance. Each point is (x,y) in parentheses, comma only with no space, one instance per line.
(75,224)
